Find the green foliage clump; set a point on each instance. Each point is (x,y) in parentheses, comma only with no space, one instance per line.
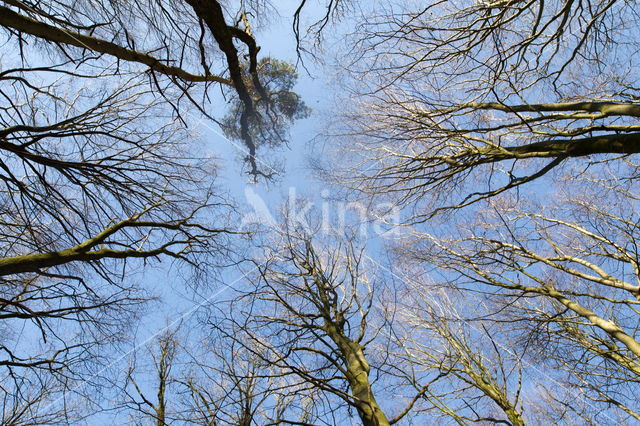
(276,106)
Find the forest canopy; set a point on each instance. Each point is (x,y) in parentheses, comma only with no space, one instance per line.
(445,212)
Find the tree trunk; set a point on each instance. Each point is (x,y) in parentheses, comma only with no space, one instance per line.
(358,378)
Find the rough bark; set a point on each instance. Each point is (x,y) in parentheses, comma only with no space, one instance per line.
(358,378)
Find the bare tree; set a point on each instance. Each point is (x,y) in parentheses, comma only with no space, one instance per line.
(207,381)
(311,316)
(98,177)
(458,367)
(93,186)
(565,281)
(183,49)
(225,383)
(320,318)
(162,353)
(33,404)
(97,180)
(458,103)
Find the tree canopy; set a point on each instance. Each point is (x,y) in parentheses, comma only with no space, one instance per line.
(490,146)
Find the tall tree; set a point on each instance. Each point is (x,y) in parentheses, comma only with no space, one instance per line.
(98,175)
(528,110)
(310,315)
(498,93)
(564,281)
(94,184)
